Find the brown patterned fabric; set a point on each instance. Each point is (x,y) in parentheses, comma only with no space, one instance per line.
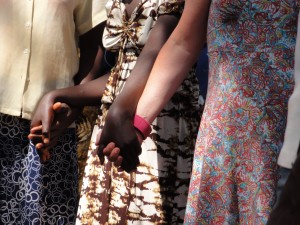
(156,192)
(84,128)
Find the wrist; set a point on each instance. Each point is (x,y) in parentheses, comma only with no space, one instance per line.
(142,125)
(52,96)
(120,112)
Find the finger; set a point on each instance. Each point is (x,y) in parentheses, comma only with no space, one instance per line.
(114,155)
(65,108)
(40,146)
(57,106)
(130,161)
(48,156)
(46,138)
(43,158)
(61,108)
(128,167)
(130,157)
(35,140)
(46,122)
(118,162)
(36,129)
(55,133)
(34,136)
(109,148)
(44,154)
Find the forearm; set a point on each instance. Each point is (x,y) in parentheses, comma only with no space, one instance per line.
(175,59)
(87,73)
(91,55)
(127,101)
(87,94)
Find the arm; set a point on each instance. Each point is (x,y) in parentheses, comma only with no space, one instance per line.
(118,124)
(168,71)
(52,117)
(90,59)
(44,118)
(91,55)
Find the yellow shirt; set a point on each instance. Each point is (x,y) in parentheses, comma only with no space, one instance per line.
(38,48)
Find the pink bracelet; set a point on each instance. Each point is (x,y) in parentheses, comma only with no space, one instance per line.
(142,126)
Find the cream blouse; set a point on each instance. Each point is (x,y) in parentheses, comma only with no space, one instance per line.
(38,48)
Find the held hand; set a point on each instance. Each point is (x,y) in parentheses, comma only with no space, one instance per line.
(40,126)
(61,111)
(61,116)
(112,152)
(119,131)
(38,140)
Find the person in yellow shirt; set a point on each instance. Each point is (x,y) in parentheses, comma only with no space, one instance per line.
(39,44)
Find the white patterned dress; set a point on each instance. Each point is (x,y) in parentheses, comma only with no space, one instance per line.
(156,192)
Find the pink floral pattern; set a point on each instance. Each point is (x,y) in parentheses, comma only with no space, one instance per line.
(251,49)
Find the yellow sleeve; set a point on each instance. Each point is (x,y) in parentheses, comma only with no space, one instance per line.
(88,14)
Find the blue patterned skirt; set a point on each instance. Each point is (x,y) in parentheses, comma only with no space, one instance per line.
(31,192)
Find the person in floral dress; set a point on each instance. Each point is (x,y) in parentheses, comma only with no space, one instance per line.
(251,47)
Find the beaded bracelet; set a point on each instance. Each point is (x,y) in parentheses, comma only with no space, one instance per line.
(142,126)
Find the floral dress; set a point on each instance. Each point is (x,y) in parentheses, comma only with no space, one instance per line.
(251,49)
(156,193)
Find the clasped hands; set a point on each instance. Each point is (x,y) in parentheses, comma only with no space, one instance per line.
(49,122)
(118,141)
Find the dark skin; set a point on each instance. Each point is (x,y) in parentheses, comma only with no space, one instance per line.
(185,45)
(47,126)
(91,92)
(130,141)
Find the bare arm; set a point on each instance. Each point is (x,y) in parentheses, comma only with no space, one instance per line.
(175,59)
(91,55)
(44,119)
(136,82)
(118,124)
(170,68)
(90,59)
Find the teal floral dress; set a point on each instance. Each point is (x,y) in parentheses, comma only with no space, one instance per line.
(251,50)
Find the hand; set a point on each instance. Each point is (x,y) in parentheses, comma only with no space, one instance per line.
(119,131)
(112,152)
(45,135)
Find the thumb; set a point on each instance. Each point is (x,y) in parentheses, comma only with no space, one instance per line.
(46,126)
(61,108)
(57,107)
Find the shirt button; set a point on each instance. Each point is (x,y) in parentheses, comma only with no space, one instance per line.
(26,51)
(28,25)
